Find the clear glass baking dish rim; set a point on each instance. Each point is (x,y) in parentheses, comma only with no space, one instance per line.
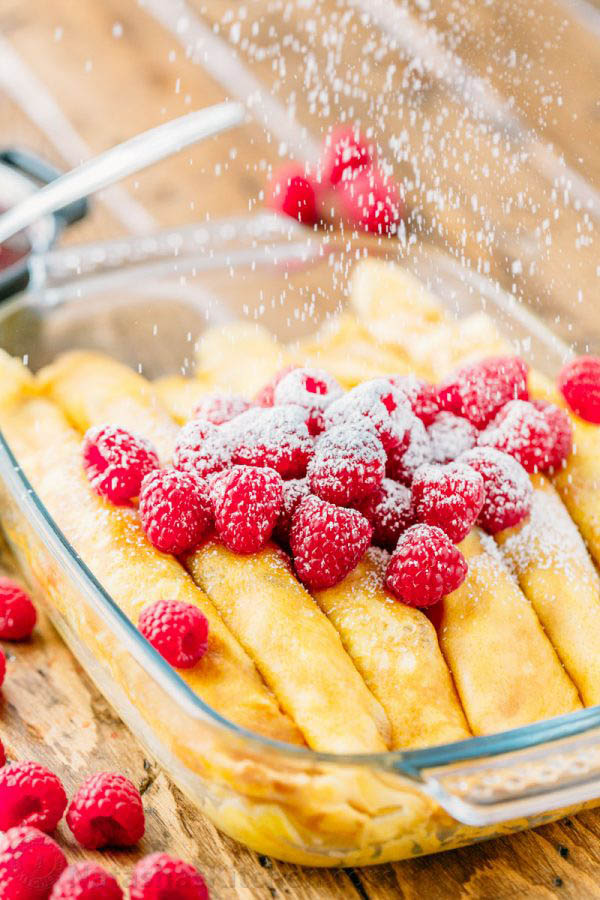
(412,764)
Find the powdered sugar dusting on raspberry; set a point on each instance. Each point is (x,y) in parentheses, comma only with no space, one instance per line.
(378,401)
(201,449)
(348,464)
(312,389)
(522,431)
(276,437)
(450,436)
(403,463)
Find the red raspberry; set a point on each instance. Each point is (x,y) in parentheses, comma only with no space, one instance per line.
(17,612)
(246,501)
(160,877)
(293,193)
(220,408)
(175,510)
(201,449)
(106,811)
(450,497)
(266,395)
(450,436)
(508,490)
(389,509)
(561,433)
(327,541)
(2,667)
(179,631)
(425,566)
(371,202)
(345,154)
(479,390)
(294,491)
(277,438)
(313,390)
(2,755)
(579,383)
(404,459)
(116,461)
(30,864)
(348,464)
(378,401)
(522,431)
(86,881)
(422,396)
(30,795)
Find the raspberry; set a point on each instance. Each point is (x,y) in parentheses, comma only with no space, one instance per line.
(2,667)
(86,881)
(479,390)
(17,612)
(522,431)
(508,490)
(175,510)
(561,433)
(378,401)
(179,631)
(346,154)
(422,396)
(327,541)
(277,438)
(160,877)
(30,795)
(404,459)
(450,497)
(201,449)
(348,464)
(450,436)
(266,395)
(246,501)
(424,567)
(294,491)
(30,864)
(106,811)
(389,509)
(220,408)
(2,755)
(372,202)
(313,390)
(293,193)
(116,461)
(579,383)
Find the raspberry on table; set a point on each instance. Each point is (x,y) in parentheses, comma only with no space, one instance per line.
(246,502)
(346,153)
(404,459)
(450,497)
(30,864)
(277,438)
(106,811)
(561,434)
(160,876)
(425,566)
(86,881)
(422,396)
(450,435)
(372,202)
(522,431)
(2,667)
(30,794)
(349,463)
(294,491)
(17,612)
(175,510)
(378,401)
(390,511)
(327,541)
(478,390)
(201,449)
(293,192)
(116,461)
(312,389)
(508,489)
(179,631)
(266,396)
(579,383)
(218,408)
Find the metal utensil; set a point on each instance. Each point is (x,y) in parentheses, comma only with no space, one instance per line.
(131,156)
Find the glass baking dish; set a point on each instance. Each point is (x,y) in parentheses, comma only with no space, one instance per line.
(291,803)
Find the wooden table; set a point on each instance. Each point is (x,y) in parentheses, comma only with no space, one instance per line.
(76,77)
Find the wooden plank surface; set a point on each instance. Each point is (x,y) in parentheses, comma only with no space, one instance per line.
(101,70)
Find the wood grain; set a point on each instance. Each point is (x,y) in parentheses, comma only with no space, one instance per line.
(114,70)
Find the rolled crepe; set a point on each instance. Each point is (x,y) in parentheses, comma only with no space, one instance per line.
(111,542)
(505,669)
(395,649)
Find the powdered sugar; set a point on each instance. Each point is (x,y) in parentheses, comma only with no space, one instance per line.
(277,437)
(450,435)
(312,389)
